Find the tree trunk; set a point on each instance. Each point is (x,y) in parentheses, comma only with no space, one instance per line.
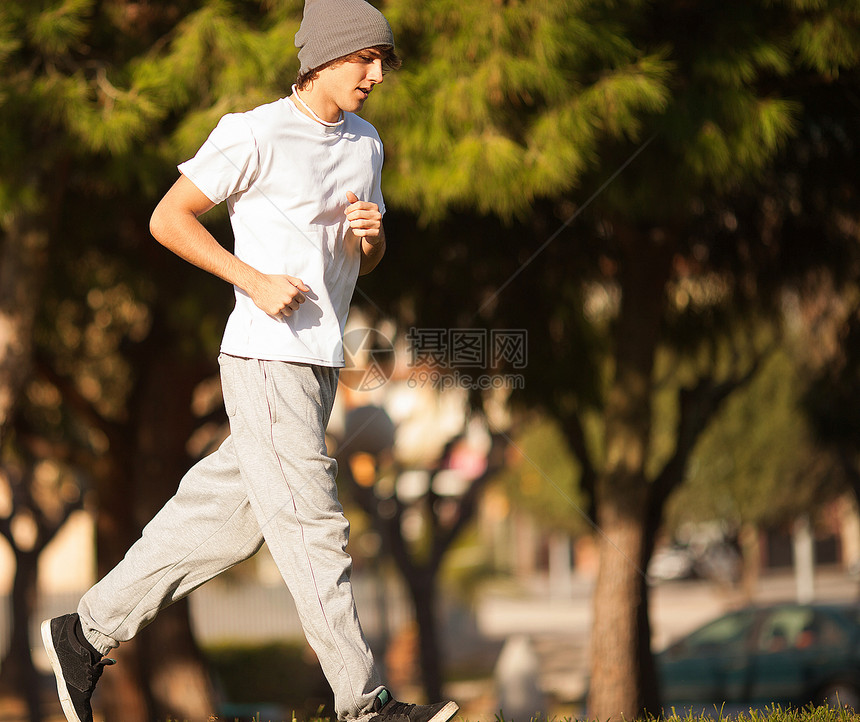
(421,577)
(174,667)
(18,676)
(619,610)
(160,673)
(421,583)
(422,586)
(23,253)
(621,632)
(751,561)
(648,679)
(120,693)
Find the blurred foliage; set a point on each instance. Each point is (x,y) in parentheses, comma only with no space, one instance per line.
(758,462)
(666,187)
(542,478)
(635,196)
(721,120)
(497,130)
(113,95)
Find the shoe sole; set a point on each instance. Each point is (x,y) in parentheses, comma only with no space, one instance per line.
(62,690)
(446,713)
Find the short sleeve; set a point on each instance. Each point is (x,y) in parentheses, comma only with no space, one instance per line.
(227,163)
(376,193)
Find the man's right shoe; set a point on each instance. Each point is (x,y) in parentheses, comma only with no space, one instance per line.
(76,663)
(388,709)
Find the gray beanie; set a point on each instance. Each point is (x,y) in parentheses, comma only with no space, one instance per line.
(331,29)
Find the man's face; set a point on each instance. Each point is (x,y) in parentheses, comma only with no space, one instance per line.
(349,83)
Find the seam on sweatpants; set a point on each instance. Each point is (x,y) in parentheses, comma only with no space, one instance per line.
(304,543)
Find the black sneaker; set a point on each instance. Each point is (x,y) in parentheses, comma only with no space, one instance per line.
(76,663)
(388,709)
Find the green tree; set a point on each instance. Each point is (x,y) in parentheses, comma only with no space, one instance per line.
(58,106)
(650,125)
(758,465)
(754,462)
(825,175)
(93,97)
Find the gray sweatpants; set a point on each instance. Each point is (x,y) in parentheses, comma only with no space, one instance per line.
(270,480)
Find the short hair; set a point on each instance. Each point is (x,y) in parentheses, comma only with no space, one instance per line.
(390,61)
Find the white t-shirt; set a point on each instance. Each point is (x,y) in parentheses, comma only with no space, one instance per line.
(285,178)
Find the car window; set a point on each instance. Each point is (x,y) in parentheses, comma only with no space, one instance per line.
(726,635)
(845,620)
(782,628)
(821,630)
(852,614)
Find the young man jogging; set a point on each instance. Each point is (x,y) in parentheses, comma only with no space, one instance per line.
(301,179)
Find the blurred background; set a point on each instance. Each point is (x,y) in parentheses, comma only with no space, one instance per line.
(603,389)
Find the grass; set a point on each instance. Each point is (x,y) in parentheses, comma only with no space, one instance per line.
(771,714)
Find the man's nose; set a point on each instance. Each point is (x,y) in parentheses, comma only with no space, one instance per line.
(374,73)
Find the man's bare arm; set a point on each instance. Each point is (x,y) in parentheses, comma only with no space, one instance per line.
(175,225)
(371,253)
(365,223)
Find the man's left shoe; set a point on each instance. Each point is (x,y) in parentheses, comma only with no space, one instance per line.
(76,663)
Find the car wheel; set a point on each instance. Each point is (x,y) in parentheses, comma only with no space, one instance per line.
(840,694)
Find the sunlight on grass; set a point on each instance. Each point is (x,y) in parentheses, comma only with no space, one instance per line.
(770,714)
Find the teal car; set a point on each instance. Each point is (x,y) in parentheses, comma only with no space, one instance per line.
(786,654)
